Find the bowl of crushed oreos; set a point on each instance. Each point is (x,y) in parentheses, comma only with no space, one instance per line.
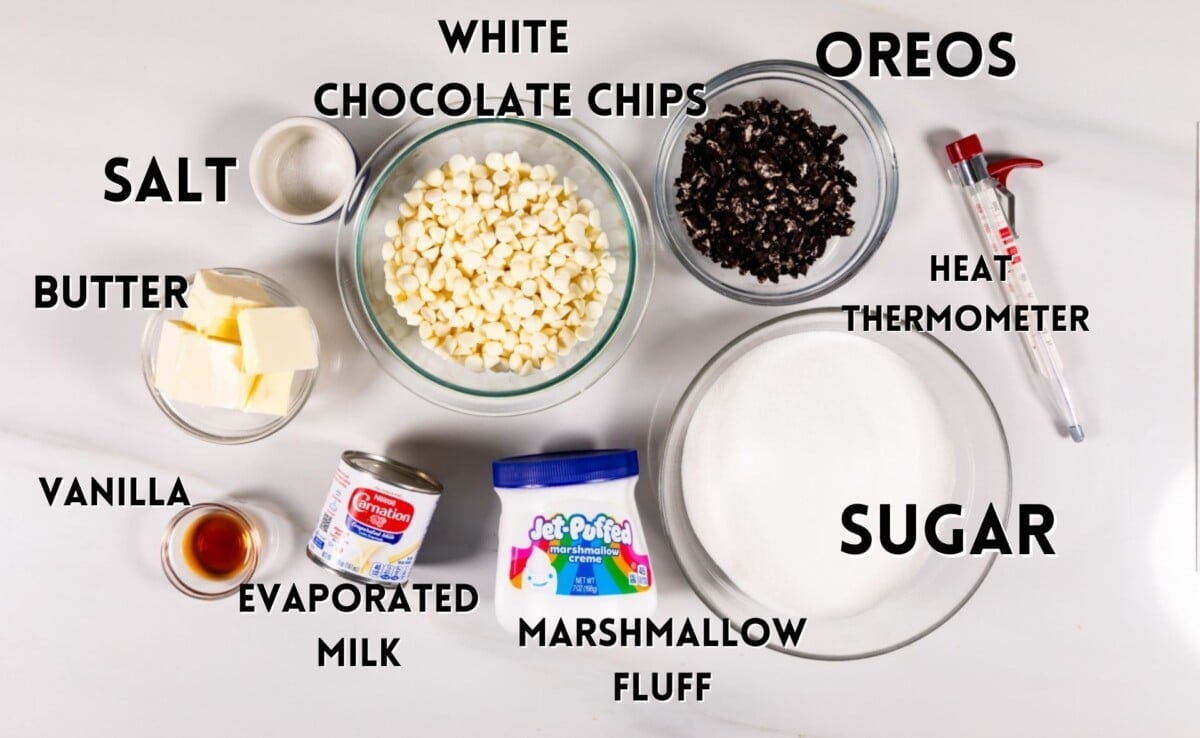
(782,190)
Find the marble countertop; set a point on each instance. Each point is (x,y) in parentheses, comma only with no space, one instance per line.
(1101,640)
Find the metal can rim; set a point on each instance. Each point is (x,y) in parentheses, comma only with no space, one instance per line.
(404,476)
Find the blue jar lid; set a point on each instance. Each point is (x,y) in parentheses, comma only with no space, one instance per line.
(564,468)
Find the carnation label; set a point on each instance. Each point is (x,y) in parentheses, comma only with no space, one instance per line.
(377,516)
(374,519)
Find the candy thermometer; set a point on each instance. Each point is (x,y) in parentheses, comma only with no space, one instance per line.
(992,206)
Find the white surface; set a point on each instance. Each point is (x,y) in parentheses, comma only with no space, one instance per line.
(1102,640)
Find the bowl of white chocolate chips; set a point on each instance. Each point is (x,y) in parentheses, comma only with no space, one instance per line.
(495,266)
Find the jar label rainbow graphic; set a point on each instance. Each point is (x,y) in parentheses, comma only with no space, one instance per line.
(573,555)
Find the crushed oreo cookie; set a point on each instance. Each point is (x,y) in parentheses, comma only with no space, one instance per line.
(763,190)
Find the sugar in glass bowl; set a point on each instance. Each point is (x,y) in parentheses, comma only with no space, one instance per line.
(577,153)
(941,586)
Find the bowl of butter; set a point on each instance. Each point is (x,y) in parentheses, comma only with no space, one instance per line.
(236,364)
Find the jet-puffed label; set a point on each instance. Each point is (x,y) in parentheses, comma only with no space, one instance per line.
(574,555)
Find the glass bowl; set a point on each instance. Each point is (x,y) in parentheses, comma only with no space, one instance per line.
(943,584)
(375,198)
(221,425)
(868,155)
(175,560)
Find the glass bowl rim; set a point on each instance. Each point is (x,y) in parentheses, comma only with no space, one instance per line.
(856,104)
(672,447)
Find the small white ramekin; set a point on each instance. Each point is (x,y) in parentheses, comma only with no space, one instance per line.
(301,170)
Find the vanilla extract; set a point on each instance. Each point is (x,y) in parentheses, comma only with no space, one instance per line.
(218,545)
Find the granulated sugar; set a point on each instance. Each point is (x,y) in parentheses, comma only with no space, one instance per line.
(790,434)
